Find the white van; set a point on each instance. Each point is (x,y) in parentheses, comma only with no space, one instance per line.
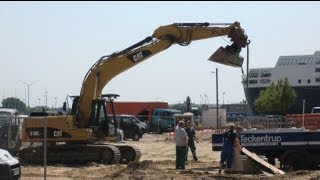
(315,110)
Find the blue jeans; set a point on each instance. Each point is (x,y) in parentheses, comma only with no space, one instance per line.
(227,154)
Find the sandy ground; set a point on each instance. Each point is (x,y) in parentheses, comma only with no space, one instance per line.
(157,162)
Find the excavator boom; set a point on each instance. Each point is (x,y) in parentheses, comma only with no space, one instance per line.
(107,67)
(85,130)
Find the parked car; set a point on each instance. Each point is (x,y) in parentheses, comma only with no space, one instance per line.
(9,166)
(143,126)
(130,127)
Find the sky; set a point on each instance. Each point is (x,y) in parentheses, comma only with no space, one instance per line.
(50,46)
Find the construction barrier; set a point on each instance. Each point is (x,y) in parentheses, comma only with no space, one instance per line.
(200,133)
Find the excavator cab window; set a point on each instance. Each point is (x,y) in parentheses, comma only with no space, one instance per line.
(15,126)
(64,107)
(99,118)
(9,127)
(4,118)
(74,109)
(98,113)
(4,128)
(109,101)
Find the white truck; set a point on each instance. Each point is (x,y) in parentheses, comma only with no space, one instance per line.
(296,149)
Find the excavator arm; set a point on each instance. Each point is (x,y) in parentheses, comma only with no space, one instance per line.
(107,67)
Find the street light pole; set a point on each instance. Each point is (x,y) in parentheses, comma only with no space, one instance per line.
(28,85)
(217,98)
(46,97)
(223,97)
(217,102)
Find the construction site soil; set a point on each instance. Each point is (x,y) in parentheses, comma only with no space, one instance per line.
(157,162)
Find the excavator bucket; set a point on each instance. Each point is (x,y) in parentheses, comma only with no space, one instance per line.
(226,57)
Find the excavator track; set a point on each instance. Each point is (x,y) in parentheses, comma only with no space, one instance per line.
(128,153)
(77,153)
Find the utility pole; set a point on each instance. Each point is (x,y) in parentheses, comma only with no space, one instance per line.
(25,95)
(217,103)
(28,85)
(247,83)
(45,129)
(217,98)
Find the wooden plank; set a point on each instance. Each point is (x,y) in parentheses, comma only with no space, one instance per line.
(257,159)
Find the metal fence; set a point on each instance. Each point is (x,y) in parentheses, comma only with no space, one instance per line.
(259,122)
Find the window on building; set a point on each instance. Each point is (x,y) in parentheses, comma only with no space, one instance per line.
(309,80)
(288,61)
(264,81)
(282,62)
(253,73)
(291,61)
(253,81)
(317,70)
(265,73)
(317,79)
(299,81)
(309,61)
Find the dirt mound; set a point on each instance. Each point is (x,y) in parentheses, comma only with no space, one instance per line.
(146,164)
(136,170)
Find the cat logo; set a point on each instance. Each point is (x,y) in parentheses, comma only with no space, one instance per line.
(138,56)
(57,133)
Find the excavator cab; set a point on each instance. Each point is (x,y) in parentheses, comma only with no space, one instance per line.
(104,127)
(9,130)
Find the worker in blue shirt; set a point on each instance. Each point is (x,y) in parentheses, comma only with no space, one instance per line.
(227,148)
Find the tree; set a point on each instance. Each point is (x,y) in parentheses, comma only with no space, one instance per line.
(183,107)
(276,99)
(14,103)
(188,102)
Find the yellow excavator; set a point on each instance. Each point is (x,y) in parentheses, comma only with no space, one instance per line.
(87,133)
